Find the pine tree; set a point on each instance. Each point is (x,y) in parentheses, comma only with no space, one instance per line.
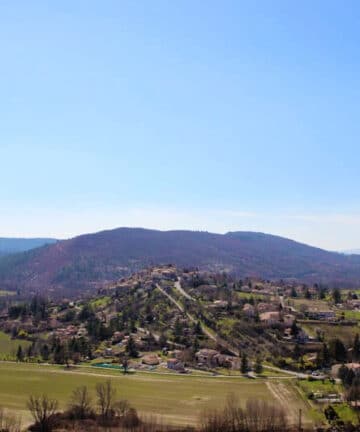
(293,292)
(244,364)
(338,350)
(131,347)
(336,295)
(197,328)
(20,354)
(258,365)
(356,347)
(326,355)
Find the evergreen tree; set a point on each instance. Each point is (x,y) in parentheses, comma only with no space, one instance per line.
(45,352)
(293,292)
(244,367)
(322,293)
(197,328)
(356,347)
(337,350)
(294,329)
(258,365)
(59,354)
(326,355)
(336,295)
(20,354)
(131,348)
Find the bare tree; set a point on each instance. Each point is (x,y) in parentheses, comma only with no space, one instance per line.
(121,407)
(80,403)
(258,416)
(43,409)
(9,423)
(106,398)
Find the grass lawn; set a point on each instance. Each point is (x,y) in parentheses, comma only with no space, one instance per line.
(8,346)
(176,399)
(319,386)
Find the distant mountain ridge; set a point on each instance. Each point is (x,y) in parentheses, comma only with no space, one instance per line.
(15,245)
(92,260)
(352,252)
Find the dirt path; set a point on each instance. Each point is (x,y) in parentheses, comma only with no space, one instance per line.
(287,400)
(176,303)
(177,286)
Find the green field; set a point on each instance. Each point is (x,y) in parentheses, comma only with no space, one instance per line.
(174,398)
(309,303)
(345,333)
(248,296)
(350,315)
(319,386)
(8,346)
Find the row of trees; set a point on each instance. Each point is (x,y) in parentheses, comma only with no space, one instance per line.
(257,416)
(37,308)
(60,352)
(336,352)
(107,411)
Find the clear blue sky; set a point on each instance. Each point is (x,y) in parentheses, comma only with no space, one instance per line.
(226,115)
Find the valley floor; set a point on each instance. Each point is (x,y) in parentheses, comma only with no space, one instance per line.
(175,399)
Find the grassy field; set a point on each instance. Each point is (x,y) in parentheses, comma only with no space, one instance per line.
(351,315)
(309,303)
(8,346)
(345,333)
(248,296)
(317,413)
(176,399)
(319,386)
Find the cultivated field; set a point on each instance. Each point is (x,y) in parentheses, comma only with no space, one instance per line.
(176,399)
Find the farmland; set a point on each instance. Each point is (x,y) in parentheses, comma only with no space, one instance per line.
(176,399)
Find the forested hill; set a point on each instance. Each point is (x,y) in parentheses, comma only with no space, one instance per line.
(92,260)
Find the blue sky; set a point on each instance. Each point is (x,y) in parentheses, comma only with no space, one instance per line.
(226,115)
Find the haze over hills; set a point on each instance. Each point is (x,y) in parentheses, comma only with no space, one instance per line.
(92,260)
(14,245)
(352,252)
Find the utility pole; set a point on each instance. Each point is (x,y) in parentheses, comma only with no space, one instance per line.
(300,414)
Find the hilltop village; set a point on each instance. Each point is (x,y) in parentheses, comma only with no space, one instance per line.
(185,321)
